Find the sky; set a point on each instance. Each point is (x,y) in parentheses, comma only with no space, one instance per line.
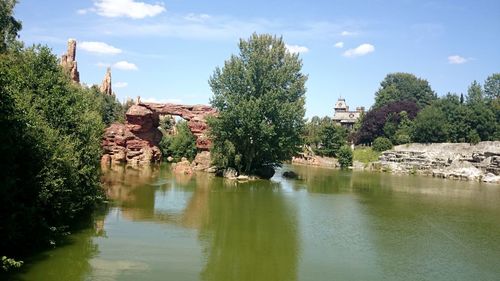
(166,51)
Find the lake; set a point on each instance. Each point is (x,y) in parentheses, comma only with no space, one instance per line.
(328,225)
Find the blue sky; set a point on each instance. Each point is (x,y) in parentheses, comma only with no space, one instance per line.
(167,50)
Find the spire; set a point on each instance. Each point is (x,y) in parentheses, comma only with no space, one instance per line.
(68,61)
(106,83)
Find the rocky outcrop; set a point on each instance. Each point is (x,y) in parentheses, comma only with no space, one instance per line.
(314,160)
(106,83)
(136,141)
(68,61)
(445,160)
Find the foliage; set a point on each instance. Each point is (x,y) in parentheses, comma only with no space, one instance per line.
(260,98)
(9,26)
(345,156)
(404,86)
(492,87)
(50,147)
(381,144)
(365,155)
(375,120)
(8,264)
(111,109)
(430,126)
(324,136)
(182,144)
(128,103)
(167,123)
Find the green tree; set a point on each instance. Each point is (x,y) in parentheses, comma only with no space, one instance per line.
(482,116)
(332,137)
(381,144)
(404,86)
(475,93)
(345,156)
(50,148)
(403,132)
(492,87)
(9,26)
(260,98)
(430,126)
(182,144)
(111,109)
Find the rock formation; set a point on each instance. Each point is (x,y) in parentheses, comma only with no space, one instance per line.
(445,160)
(68,61)
(136,141)
(106,83)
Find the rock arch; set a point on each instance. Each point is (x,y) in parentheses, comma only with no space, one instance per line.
(136,141)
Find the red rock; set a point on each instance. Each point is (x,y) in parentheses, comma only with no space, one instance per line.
(68,61)
(136,141)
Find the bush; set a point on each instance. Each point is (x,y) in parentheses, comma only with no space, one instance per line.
(345,156)
(381,144)
(50,151)
(183,144)
(365,155)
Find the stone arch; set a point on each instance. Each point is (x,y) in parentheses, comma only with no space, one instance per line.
(136,141)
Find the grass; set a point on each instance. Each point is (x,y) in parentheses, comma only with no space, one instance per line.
(365,155)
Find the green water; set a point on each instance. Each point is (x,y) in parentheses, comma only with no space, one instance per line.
(330,225)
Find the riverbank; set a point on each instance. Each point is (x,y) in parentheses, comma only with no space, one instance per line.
(460,161)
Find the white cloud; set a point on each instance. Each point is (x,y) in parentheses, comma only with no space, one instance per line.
(120,84)
(197,17)
(125,65)
(361,50)
(296,49)
(456,59)
(99,47)
(154,100)
(347,33)
(339,45)
(127,8)
(83,11)
(103,64)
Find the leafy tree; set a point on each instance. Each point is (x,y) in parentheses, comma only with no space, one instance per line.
(332,137)
(50,148)
(345,156)
(374,122)
(111,109)
(312,135)
(492,87)
(9,26)
(404,86)
(260,98)
(381,144)
(182,144)
(475,93)
(430,125)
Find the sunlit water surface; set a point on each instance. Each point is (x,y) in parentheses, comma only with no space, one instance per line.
(329,225)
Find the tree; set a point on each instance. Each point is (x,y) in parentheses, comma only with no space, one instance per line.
(345,156)
(475,93)
(430,126)
(374,122)
(9,26)
(492,87)
(50,150)
(404,86)
(458,117)
(260,98)
(182,144)
(381,144)
(332,137)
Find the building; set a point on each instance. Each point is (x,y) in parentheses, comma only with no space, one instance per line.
(345,117)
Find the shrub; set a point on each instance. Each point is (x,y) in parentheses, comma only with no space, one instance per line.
(381,144)
(182,144)
(345,156)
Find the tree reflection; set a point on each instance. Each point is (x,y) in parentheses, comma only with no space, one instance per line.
(250,234)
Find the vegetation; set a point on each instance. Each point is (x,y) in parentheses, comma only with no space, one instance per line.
(451,118)
(51,134)
(381,144)
(365,155)
(404,86)
(260,98)
(345,156)
(182,144)
(324,137)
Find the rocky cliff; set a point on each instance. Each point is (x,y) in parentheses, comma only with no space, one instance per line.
(136,141)
(68,61)
(445,160)
(106,83)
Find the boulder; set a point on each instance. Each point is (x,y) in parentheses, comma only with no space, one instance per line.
(290,175)
(182,168)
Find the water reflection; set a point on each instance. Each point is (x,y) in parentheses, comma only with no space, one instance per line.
(247,230)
